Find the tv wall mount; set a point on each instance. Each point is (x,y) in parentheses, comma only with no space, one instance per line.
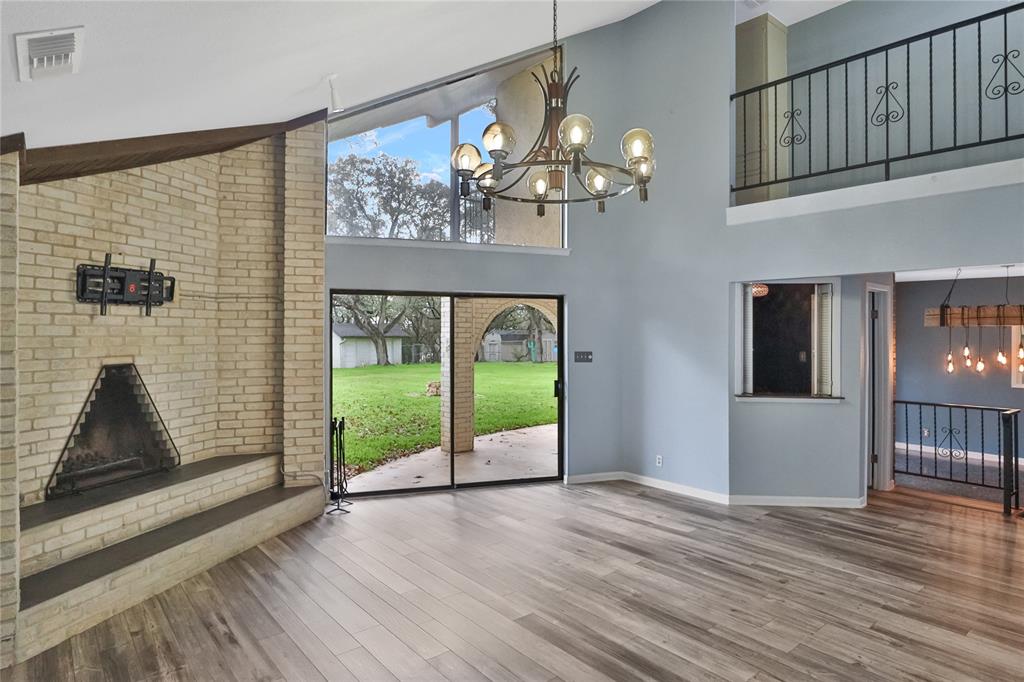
(108,285)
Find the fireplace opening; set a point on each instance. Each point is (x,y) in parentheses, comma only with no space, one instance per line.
(119,434)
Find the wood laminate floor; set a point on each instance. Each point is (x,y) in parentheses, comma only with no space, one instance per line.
(590,582)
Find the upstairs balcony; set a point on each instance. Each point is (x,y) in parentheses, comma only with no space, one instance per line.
(949,98)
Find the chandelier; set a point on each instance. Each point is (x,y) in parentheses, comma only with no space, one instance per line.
(558,157)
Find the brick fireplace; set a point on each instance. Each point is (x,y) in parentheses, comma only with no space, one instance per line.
(233,364)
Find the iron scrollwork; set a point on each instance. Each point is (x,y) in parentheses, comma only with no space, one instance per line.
(950,445)
(893,112)
(1005,86)
(793,132)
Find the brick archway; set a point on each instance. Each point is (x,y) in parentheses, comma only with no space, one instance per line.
(472,317)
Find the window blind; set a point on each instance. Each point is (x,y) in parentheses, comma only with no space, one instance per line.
(822,355)
(748,340)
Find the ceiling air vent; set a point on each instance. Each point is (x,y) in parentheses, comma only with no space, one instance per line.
(46,53)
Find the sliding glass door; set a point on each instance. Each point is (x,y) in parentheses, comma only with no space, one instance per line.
(386,385)
(507,383)
(440,391)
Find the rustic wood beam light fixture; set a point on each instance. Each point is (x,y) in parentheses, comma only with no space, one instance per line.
(996,315)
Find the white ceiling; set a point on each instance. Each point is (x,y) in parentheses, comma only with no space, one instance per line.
(974,272)
(162,67)
(788,12)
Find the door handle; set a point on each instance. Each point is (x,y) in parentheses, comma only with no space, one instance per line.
(558,392)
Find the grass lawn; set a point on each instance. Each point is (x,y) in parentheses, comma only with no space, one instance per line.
(389,413)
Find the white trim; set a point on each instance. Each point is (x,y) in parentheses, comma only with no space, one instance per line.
(740,339)
(885,454)
(720,498)
(445,245)
(999,174)
(678,488)
(787,501)
(803,400)
(595,478)
(1016,338)
(929,451)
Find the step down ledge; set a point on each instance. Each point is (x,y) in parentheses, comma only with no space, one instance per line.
(70,598)
(57,531)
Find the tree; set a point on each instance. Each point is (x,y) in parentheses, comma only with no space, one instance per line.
(524,318)
(385,196)
(375,316)
(423,324)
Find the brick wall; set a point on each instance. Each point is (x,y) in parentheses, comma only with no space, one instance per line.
(250,334)
(242,232)
(167,212)
(58,541)
(304,214)
(9,594)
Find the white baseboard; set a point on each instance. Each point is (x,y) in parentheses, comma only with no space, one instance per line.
(720,498)
(793,501)
(678,488)
(899,448)
(595,478)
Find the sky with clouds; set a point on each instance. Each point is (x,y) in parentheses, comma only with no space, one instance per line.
(430,148)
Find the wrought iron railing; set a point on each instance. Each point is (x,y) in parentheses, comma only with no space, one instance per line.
(476,226)
(950,89)
(968,444)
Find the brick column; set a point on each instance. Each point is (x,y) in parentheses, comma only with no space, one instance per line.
(465,352)
(472,317)
(9,506)
(304,216)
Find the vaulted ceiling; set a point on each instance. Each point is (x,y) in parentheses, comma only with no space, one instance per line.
(160,67)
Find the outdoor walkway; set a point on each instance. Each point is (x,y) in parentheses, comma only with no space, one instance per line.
(523,453)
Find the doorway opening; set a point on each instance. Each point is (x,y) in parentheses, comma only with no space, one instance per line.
(880,350)
(437,391)
(956,409)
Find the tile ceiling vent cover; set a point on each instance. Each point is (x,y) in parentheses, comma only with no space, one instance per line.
(49,53)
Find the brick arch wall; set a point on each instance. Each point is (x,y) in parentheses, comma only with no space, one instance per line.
(472,317)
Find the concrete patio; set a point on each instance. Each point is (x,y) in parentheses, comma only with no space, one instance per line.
(521,453)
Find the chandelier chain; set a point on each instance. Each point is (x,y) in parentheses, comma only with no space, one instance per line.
(554,24)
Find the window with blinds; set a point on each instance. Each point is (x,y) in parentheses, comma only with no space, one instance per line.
(788,344)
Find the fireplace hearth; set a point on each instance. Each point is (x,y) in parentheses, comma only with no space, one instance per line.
(119,434)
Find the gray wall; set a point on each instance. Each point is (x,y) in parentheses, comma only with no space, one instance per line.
(648,287)
(812,447)
(921,351)
(862,25)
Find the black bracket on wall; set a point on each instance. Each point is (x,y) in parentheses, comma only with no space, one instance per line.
(108,285)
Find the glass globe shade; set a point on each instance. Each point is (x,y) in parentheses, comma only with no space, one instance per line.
(637,145)
(499,139)
(645,170)
(488,182)
(575,133)
(539,184)
(980,366)
(465,158)
(598,182)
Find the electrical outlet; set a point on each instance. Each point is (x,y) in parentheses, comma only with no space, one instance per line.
(657,461)
(925,432)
